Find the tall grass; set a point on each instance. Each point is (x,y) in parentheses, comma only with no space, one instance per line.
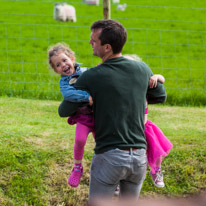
(169,36)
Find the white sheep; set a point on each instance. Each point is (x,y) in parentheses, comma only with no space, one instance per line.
(64,12)
(94,2)
(121,7)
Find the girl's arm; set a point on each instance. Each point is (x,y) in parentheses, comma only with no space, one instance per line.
(71,94)
(154,79)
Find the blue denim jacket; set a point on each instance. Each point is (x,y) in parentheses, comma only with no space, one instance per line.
(66,84)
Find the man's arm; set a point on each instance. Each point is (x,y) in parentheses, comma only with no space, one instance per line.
(157,94)
(69,108)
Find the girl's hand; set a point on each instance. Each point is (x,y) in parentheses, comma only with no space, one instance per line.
(153,81)
(90,101)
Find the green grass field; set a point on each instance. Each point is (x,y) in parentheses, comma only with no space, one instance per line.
(36,145)
(36,150)
(169,35)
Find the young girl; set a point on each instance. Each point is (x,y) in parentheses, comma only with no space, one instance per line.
(158,146)
(62,60)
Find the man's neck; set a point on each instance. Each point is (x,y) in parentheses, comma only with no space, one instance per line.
(110,56)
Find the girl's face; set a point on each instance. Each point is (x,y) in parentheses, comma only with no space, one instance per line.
(63,64)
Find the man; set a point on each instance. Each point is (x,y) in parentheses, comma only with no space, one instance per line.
(119,88)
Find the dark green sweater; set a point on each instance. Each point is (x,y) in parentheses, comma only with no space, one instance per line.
(119,88)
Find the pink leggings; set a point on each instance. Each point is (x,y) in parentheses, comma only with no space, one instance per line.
(81,135)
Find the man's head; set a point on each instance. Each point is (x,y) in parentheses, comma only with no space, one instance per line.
(107,36)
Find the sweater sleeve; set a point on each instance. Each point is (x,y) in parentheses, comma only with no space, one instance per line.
(157,94)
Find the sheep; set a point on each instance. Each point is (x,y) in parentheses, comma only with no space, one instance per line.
(95,2)
(121,7)
(64,12)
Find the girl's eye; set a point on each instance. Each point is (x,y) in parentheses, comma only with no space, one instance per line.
(58,65)
(64,60)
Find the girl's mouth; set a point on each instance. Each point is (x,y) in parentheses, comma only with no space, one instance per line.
(67,69)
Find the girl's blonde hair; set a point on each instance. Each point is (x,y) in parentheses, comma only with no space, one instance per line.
(58,48)
(133,57)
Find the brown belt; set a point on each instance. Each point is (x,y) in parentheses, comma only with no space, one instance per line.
(133,149)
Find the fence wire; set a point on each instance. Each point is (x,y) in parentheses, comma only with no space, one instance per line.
(178,54)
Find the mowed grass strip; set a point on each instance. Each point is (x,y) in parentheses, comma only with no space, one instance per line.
(36,150)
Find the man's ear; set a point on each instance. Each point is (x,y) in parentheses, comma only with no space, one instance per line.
(108,47)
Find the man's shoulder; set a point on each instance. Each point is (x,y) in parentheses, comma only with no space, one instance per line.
(86,76)
(91,71)
(144,67)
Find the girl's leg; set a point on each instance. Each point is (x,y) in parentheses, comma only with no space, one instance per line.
(81,135)
(158,164)
(156,173)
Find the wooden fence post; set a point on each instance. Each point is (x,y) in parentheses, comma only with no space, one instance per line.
(106,9)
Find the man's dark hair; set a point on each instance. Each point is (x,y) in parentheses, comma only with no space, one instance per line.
(113,33)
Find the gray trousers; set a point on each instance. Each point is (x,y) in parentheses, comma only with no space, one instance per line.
(117,167)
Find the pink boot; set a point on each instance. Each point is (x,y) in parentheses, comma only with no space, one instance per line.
(75,177)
